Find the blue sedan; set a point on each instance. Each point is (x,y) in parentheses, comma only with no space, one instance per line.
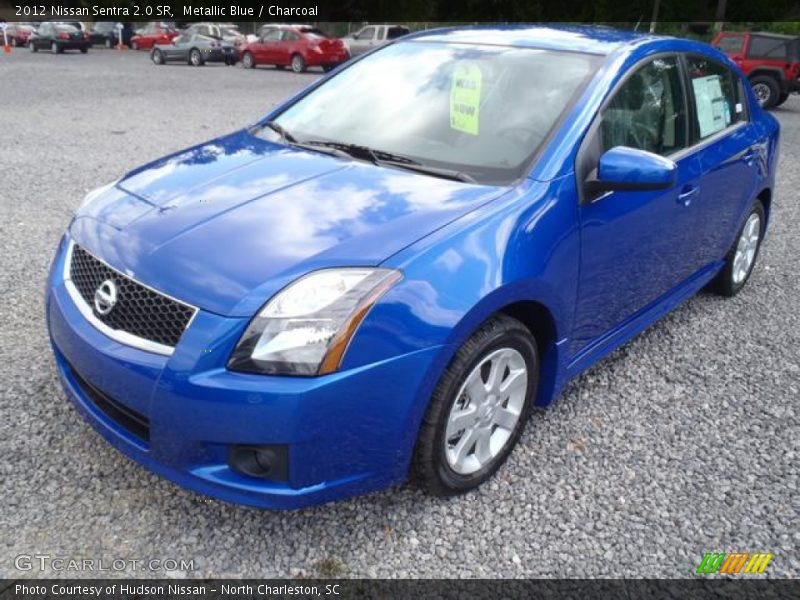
(387,273)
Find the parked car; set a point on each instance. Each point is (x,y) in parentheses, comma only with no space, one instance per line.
(390,270)
(18,34)
(152,34)
(297,46)
(195,49)
(223,31)
(59,37)
(770,61)
(372,36)
(106,33)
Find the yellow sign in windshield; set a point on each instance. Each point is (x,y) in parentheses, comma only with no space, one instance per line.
(465,99)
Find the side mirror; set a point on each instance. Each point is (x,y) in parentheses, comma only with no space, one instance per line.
(629,169)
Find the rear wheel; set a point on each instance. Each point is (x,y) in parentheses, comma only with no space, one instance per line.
(298,63)
(158,57)
(248,62)
(766,89)
(195,58)
(479,408)
(741,258)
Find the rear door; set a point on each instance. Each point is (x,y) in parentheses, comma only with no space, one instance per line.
(729,152)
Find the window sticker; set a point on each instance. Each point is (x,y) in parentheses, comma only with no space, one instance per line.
(713,113)
(465,99)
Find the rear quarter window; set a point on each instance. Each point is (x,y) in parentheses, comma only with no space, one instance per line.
(764,47)
(731,44)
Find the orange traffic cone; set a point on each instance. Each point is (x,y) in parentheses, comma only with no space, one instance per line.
(7,48)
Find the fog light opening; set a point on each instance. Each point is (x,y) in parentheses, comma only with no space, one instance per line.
(269,462)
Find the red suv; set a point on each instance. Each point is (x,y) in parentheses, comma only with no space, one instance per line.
(770,61)
(295,46)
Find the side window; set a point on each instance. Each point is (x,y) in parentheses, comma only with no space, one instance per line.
(648,112)
(273,35)
(716,91)
(290,36)
(731,44)
(367,33)
(768,47)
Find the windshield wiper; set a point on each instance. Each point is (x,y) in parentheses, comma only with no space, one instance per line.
(383,158)
(285,135)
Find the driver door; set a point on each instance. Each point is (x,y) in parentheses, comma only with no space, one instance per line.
(636,245)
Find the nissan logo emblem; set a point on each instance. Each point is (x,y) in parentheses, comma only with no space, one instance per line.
(105,298)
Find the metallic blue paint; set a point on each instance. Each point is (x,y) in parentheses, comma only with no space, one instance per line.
(636,169)
(225,225)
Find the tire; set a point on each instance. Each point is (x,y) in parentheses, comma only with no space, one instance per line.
(766,89)
(108,43)
(436,464)
(134,46)
(157,57)
(32,47)
(248,62)
(84,50)
(734,275)
(298,63)
(782,98)
(195,58)
(55,48)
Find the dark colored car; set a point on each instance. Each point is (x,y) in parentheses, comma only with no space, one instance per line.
(18,34)
(106,33)
(769,60)
(295,46)
(154,33)
(59,37)
(195,49)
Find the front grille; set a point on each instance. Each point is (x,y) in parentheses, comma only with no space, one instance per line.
(130,420)
(139,311)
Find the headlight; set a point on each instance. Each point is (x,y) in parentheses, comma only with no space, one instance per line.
(305,328)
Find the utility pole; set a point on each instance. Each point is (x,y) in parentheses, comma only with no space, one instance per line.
(654,18)
(720,17)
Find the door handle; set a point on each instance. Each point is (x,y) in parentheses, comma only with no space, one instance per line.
(687,194)
(749,156)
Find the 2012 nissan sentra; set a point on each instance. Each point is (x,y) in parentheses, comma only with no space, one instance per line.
(391,269)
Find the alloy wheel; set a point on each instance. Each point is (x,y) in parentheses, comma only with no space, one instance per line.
(746,248)
(486,411)
(195,58)
(762,93)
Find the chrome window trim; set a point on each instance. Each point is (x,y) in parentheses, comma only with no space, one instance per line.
(123,337)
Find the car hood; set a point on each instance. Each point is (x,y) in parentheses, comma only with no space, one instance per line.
(225,225)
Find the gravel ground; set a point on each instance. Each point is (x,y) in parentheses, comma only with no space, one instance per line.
(682,442)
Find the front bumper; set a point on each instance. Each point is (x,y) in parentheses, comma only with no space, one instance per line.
(347,433)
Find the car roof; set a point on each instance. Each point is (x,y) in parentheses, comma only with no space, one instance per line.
(577,38)
(770,34)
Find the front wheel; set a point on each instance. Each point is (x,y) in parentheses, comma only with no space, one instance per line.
(741,258)
(479,408)
(248,62)
(766,89)
(298,64)
(158,57)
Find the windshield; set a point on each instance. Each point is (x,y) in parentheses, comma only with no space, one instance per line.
(480,110)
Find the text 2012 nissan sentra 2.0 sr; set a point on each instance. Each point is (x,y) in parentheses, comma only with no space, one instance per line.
(391,269)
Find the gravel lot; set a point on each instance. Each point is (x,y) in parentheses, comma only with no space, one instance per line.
(681,443)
